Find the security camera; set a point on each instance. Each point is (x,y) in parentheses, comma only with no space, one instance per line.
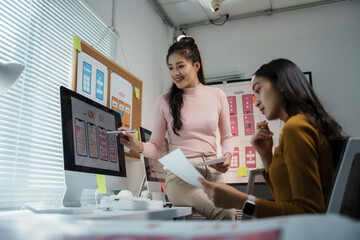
(215,5)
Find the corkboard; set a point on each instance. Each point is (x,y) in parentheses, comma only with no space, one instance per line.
(115,68)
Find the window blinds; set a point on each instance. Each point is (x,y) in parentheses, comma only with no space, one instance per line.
(38,34)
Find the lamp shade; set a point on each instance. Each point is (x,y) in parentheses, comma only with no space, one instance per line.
(9,73)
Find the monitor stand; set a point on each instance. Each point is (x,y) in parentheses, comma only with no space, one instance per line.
(159,196)
(154,195)
(72,197)
(142,185)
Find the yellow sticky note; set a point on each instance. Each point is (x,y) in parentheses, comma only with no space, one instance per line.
(101,183)
(242,171)
(136,134)
(77,43)
(137,93)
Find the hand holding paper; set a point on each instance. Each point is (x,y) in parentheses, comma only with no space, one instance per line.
(180,165)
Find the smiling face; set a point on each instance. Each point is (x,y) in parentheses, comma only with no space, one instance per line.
(182,71)
(268,99)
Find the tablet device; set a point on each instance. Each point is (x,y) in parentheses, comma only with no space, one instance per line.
(210,162)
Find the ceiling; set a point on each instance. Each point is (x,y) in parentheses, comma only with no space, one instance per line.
(190,13)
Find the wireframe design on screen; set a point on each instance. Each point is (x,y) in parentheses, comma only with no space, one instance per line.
(91,124)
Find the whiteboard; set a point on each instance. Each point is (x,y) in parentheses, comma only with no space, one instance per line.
(243,118)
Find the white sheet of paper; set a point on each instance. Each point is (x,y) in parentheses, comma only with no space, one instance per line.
(210,162)
(181,166)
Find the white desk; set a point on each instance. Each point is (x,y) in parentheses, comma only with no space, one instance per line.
(297,227)
(100,214)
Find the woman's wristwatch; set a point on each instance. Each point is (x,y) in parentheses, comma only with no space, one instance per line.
(249,206)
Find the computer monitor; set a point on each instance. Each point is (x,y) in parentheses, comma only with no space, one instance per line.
(87,149)
(154,170)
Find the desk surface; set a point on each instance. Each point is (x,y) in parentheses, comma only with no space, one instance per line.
(100,214)
(298,227)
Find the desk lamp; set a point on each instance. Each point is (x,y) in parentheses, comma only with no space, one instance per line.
(9,73)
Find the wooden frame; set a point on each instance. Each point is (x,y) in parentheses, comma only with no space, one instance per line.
(115,68)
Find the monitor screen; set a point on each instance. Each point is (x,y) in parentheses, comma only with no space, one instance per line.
(87,149)
(154,170)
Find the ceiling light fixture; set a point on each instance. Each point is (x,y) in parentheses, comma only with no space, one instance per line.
(182,34)
(180,37)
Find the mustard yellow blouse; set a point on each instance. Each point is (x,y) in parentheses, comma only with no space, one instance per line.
(301,172)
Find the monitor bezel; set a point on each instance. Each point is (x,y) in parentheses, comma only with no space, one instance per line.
(69,149)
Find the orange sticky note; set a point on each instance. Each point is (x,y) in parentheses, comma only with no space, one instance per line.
(77,43)
(242,171)
(137,93)
(136,134)
(101,183)
(163,187)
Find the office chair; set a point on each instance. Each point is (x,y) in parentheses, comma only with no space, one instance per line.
(257,185)
(344,197)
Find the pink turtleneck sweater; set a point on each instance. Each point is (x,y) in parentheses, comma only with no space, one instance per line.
(205,109)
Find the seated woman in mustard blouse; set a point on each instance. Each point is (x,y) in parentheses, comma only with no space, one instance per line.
(301,170)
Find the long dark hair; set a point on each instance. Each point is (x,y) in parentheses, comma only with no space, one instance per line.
(187,48)
(299,97)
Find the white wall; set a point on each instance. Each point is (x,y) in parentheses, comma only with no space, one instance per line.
(142,46)
(324,40)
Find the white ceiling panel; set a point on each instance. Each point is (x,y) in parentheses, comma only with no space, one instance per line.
(235,7)
(198,11)
(290,3)
(184,12)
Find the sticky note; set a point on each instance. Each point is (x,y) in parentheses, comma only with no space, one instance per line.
(77,43)
(136,134)
(163,187)
(137,93)
(242,171)
(101,183)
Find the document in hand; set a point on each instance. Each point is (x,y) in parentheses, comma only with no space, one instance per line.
(180,165)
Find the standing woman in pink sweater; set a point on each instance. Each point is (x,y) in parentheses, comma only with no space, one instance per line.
(190,113)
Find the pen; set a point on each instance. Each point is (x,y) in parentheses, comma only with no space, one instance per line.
(113,132)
